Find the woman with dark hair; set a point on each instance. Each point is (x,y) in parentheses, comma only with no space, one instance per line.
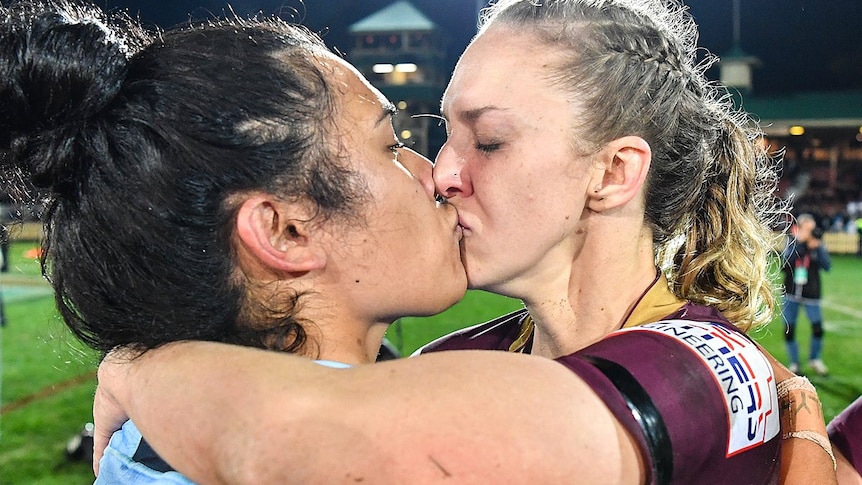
(231,182)
(602,179)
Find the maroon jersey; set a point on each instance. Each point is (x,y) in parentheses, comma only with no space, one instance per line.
(845,432)
(695,393)
(501,333)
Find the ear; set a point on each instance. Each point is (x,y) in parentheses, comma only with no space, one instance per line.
(623,165)
(279,235)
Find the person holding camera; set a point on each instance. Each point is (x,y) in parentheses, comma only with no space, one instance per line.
(804,257)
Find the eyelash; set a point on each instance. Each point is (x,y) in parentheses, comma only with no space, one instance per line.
(395,147)
(488,148)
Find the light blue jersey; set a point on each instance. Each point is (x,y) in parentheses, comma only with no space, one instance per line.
(124,464)
(118,466)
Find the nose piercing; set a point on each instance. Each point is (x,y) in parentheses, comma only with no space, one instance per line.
(455,174)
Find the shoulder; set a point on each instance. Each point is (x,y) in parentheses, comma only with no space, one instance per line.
(497,334)
(702,395)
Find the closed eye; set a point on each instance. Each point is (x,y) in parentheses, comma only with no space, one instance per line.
(488,148)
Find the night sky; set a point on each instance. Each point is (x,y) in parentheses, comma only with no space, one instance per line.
(803,45)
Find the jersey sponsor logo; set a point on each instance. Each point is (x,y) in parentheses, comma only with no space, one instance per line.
(741,372)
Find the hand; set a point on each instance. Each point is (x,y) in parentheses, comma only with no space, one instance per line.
(108,413)
(108,417)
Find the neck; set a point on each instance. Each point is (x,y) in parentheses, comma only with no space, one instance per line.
(337,330)
(590,298)
(346,340)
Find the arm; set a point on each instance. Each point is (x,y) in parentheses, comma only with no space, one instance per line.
(426,424)
(802,460)
(461,416)
(823,256)
(787,249)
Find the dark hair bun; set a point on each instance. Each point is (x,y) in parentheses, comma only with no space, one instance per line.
(59,66)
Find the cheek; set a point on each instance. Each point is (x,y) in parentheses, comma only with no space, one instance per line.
(411,227)
(511,197)
(545,209)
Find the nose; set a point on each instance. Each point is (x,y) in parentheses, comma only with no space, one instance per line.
(450,178)
(420,167)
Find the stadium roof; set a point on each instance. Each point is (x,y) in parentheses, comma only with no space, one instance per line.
(841,109)
(400,16)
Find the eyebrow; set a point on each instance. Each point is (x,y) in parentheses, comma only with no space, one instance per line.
(471,115)
(388,110)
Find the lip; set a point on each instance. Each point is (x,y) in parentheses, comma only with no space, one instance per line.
(457,229)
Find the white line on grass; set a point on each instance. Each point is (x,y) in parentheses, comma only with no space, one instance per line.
(842,309)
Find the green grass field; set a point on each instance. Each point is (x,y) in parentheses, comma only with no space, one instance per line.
(48,383)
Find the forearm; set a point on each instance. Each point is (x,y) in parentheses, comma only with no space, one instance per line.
(802,461)
(806,454)
(825,260)
(223,414)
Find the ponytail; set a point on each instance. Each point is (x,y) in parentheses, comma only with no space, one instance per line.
(724,255)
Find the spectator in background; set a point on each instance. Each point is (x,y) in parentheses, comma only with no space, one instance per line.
(4,248)
(8,215)
(859,232)
(804,257)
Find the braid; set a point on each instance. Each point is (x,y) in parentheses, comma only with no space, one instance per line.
(709,193)
(661,54)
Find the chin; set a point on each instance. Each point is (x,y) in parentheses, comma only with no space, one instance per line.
(475,280)
(478,282)
(458,291)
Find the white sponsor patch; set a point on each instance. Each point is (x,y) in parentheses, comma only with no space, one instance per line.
(741,372)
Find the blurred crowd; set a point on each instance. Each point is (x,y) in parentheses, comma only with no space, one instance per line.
(833,197)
